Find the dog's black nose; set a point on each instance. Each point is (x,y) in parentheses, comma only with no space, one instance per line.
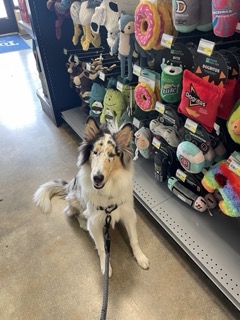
(98,178)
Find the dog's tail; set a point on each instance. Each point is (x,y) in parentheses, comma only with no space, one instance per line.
(44,194)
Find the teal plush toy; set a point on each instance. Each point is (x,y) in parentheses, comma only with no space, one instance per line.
(96,99)
(113,106)
(125,44)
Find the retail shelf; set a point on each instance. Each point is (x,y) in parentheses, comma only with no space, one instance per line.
(76,119)
(27,28)
(211,241)
(46,105)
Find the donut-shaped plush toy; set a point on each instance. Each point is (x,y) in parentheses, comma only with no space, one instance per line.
(145,97)
(146,24)
(166,25)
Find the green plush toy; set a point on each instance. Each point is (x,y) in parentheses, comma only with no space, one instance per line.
(233,123)
(114,105)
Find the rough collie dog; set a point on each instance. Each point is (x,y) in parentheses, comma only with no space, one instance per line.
(102,184)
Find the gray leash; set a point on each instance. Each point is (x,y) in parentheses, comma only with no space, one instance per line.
(106,273)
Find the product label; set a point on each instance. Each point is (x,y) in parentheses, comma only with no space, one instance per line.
(197,135)
(181,175)
(167,40)
(136,122)
(213,69)
(102,75)
(136,70)
(191,125)
(160,107)
(206,47)
(234,162)
(235,167)
(156,143)
(119,86)
(88,66)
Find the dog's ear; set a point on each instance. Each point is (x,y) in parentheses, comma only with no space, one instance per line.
(124,135)
(91,129)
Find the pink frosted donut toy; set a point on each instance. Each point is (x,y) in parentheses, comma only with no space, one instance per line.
(146,24)
(145,97)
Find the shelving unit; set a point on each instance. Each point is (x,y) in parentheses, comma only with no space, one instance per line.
(27,28)
(211,242)
(55,96)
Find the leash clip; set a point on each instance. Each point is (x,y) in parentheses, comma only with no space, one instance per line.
(110,209)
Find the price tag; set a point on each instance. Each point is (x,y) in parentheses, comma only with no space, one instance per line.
(167,40)
(102,75)
(88,66)
(156,143)
(206,47)
(65,51)
(119,86)
(217,128)
(136,123)
(234,156)
(76,60)
(191,125)
(181,175)
(160,107)
(235,167)
(136,70)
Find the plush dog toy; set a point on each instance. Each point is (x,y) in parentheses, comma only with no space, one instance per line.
(233,123)
(107,15)
(197,202)
(74,69)
(89,37)
(61,8)
(113,106)
(125,44)
(96,99)
(220,177)
(143,139)
(170,134)
(74,12)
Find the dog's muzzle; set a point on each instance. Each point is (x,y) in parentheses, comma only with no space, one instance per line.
(98,181)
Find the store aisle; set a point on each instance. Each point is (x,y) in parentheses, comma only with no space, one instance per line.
(49,268)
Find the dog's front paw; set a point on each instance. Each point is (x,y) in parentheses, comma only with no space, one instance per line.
(82,222)
(143,261)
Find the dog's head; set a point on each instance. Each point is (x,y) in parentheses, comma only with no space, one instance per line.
(106,151)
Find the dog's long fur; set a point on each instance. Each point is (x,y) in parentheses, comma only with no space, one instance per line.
(104,179)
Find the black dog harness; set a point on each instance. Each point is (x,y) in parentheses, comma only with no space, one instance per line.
(108,209)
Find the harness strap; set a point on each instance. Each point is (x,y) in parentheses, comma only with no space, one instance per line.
(108,209)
